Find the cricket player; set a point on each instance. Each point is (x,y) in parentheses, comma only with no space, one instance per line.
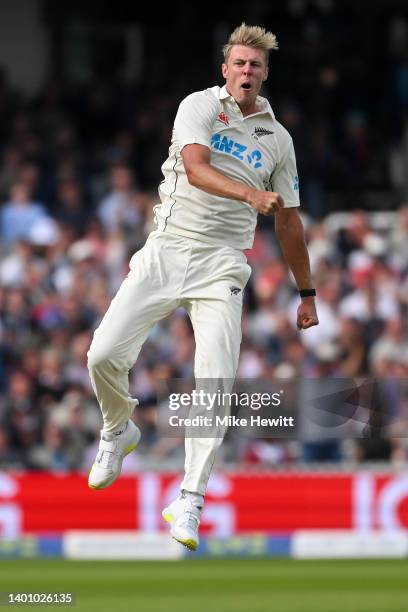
(229,160)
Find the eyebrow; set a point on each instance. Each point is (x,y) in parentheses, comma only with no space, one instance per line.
(253,61)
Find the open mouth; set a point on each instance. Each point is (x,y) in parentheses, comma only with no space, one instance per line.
(246,86)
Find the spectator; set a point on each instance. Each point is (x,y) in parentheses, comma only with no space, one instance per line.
(117,209)
(18,216)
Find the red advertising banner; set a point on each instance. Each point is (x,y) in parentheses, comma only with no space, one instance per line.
(39,503)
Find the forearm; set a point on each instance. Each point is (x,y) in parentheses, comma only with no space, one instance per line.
(206,177)
(291,236)
(201,174)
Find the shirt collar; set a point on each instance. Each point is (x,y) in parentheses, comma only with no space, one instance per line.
(261,102)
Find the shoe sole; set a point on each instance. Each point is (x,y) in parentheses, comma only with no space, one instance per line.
(104,485)
(187,542)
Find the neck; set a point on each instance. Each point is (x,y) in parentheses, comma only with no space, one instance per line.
(248,109)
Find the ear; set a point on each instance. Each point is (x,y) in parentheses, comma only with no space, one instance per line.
(266,73)
(224,69)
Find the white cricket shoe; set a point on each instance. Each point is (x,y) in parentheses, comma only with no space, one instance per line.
(184,517)
(108,462)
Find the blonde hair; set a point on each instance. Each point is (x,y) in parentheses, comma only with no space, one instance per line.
(251,36)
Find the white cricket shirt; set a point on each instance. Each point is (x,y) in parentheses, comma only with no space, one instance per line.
(256,150)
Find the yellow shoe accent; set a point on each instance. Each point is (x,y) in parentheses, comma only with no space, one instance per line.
(91,486)
(189,543)
(129,449)
(169,518)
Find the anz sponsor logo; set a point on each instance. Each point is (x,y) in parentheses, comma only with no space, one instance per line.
(226,145)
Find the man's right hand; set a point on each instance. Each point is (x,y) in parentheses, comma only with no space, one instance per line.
(265,202)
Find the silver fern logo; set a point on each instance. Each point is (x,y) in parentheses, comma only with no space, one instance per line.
(259,132)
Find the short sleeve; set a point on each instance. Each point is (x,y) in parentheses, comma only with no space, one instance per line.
(284,179)
(195,119)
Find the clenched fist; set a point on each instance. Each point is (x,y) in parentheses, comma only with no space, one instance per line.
(265,202)
(306,314)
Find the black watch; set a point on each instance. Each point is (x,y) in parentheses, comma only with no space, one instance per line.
(307,293)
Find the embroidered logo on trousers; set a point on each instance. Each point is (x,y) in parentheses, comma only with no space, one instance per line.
(235,290)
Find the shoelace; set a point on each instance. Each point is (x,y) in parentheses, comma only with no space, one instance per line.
(191,521)
(105,459)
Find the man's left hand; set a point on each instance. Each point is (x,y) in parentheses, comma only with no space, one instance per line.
(306,314)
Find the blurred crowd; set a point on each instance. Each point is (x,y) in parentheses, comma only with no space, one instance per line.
(78,181)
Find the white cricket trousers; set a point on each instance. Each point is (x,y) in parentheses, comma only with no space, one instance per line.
(169,272)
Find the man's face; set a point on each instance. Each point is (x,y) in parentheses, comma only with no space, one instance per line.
(244,72)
